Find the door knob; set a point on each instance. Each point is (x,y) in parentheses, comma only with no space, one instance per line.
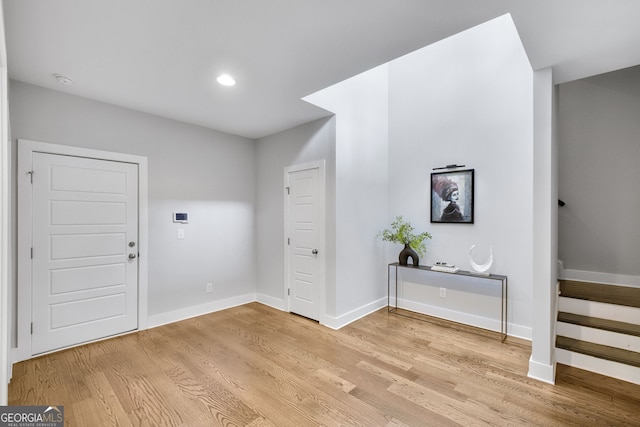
(132,256)
(315,252)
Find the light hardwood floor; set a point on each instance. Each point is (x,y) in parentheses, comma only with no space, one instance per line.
(256,366)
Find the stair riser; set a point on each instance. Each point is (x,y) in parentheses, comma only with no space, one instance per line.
(598,336)
(600,366)
(600,310)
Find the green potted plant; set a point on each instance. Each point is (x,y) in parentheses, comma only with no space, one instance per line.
(402,232)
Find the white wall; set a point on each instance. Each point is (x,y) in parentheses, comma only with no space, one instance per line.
(303,144)
(361,108)
(211,175)
(599,175)
(468,100)
(545,229)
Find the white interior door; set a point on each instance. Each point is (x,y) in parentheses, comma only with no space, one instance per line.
(85,247)
(303,242)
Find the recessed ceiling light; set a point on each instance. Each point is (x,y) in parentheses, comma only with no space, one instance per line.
(63,80)
(226,80)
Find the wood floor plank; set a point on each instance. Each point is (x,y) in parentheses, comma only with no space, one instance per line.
(256,366)
(292,391)
(281,377)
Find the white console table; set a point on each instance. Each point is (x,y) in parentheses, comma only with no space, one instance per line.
(496,277)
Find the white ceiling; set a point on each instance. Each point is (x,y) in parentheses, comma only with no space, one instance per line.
(162,56)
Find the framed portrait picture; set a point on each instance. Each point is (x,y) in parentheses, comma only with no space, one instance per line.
(452,197)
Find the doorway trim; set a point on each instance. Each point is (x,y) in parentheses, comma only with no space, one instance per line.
(320,165)
(5,220)
(26,148)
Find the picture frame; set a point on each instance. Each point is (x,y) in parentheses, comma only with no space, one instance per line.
(452,197)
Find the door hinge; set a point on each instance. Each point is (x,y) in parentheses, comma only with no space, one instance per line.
(31,328)
(31,253)
(288,293)
(288,190)
(288,241)
(30,176)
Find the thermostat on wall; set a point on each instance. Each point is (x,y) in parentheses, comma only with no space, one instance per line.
(181,217)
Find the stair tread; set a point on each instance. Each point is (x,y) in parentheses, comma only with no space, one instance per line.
(601,351)
(610,294)
(597,323)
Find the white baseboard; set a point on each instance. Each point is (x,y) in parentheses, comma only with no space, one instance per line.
(513,330)
(597,277)
(277,303)
(156,320)
(519,331)
(542,372)
(353,315)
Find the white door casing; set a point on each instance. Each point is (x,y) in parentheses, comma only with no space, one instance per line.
(79,287)
(5,235)
(85,253)
(304,240)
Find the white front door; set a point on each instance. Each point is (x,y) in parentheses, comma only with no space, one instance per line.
(85,247)
(303,242)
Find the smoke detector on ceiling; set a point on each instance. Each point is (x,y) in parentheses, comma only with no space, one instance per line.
(63,80)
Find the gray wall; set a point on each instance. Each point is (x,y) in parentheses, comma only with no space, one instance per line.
(599,177)
(209,174)
(303,144)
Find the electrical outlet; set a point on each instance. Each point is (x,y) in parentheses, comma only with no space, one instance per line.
(443,292)
(180,233)
(209,287)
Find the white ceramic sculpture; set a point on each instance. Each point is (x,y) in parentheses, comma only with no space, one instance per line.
(481,269)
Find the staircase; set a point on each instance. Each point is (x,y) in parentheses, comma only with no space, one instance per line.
(598,329)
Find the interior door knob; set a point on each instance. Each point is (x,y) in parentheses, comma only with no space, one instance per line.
(132,256)
(315,252)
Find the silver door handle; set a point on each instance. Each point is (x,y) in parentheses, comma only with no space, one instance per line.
(132,256)
(315,252)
